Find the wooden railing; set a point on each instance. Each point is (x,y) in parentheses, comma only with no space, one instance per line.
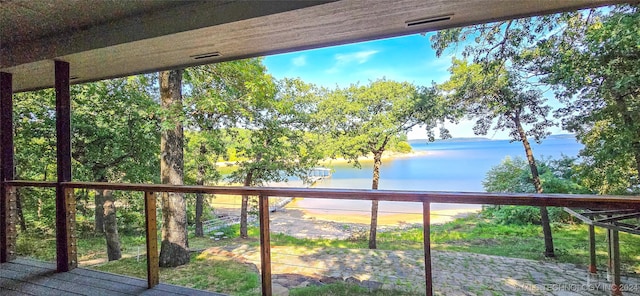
(425,197)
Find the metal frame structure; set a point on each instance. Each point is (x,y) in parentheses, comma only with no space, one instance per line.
(616,220)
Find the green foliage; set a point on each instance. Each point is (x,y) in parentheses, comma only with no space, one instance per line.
(513,176)
(402,147)
(369,119)
(522,215)
(273,144)
(218,98)
(115,137)
(594,66)
(497,99)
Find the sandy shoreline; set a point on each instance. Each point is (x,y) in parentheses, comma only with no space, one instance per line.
(301,223)
(387,155)
(297,223)
(436,217)
(228,205)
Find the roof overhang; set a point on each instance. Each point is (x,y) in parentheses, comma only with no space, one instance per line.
(106,39)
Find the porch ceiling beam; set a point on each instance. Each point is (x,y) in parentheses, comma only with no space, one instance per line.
(176,37)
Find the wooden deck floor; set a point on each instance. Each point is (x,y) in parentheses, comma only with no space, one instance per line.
(29,277)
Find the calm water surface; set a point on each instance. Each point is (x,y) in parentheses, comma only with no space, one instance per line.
(447,166)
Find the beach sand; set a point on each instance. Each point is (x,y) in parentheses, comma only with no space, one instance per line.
(437,217)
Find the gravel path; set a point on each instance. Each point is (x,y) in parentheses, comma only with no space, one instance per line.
(454,273)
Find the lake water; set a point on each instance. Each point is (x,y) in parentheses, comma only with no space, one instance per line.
(447,166)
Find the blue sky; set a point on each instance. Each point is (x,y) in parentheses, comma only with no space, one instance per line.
(409,58)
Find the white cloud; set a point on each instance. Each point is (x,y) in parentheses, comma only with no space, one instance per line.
(299,61)
(359,57)
(344,59)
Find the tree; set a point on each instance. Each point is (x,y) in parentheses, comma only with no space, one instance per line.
(34,128)
(174,250)
(501,85)
(274,145)
(497,99)
(217,100)
(369,119)
(112,134)
(594,65)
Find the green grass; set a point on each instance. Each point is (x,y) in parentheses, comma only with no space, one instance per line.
(472,234)
(476,235)
(204,272)
(343,289)
(89,247)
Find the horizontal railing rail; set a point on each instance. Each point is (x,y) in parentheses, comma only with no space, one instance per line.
(551,200)
(424,197)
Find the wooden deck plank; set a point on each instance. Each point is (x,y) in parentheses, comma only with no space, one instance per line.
(110,277)
(25,276)
(78,279)
(41,282)
(13,287)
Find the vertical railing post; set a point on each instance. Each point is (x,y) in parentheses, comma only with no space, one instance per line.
(609,253)
(65,251)
(426,231)
(11,219)
(153,269)
(592,250)
(7,206)
(70,201)
(615,257)
(265,245)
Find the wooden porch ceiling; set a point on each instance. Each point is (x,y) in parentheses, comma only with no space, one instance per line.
(114,38)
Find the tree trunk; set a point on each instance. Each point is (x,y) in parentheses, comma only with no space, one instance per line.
(377,162)
(245,208)
(200,196)
(111,226)
(174,250)
(544,214)
(99,211)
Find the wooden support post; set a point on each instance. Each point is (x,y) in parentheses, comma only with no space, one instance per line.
(592,250)
(426,231)
(65,214)
(615,268)
(153,265)
(7,194)
(265,245)
(610,254)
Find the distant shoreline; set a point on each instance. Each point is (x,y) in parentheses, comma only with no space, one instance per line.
(387,155)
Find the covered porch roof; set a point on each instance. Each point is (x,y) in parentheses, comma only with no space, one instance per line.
(114,38)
